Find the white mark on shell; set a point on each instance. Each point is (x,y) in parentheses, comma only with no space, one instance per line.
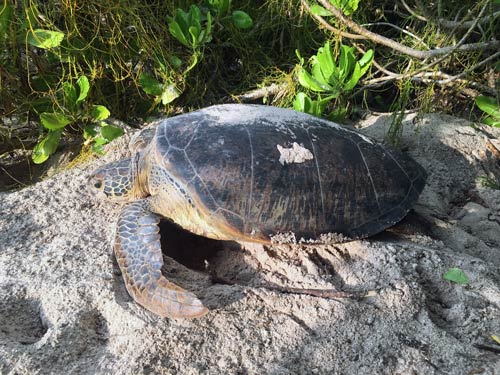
(296,154)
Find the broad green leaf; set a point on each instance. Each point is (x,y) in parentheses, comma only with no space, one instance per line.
(169,94)
(208,29)
(310,83)
(456,275)
(83,86)
(69,95)
(194,15)
(348,7)
(5,15)
(491,122)
(99,112)
(327,64)
(242,20)
(175,61)
(316,71)
(110,132)
(182,19)
(346,63)
(54,120)
(488,105)
(318,10)
(365,62)
(150,85)
(98,143)
(46,147)
(176,31)
(45,38)
(366,59)
(353,81)
(221,6)
(194,31)
(304,103)
(89,132)
(299,104)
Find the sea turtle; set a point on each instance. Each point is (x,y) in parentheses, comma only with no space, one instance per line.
(249,173)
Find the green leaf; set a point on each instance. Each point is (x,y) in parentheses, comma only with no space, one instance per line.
(488,105)
(491,122)
(456,275)
(45,38)
(110,132)
(346,63)
(299,104)
(175,61)
(326,63)
(150,85)
(175,29)
(54,121)
(318,10)
(220,6)
(99,112)
(367,59)
(348,7)
(307,81)
(242,20)
(46,147)
(304,103)
(69,95)
(353,81)
(98,143)
(208,29)
(169,94)
(89,132)
(83,86)
(195,31)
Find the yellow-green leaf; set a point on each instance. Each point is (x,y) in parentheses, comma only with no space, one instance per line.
(45,38)
(100,112)
(46,147)
(54,121)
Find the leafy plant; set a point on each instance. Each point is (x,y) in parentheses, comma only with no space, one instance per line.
(163,92)
(491,108)
(238,18)
(193,29)
(331,78)
(347,7)
(187,27)
(456,275)
(74,111)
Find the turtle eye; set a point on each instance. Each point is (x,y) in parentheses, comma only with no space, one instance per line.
(98,184)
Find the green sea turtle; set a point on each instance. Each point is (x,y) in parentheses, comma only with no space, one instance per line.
(249,173)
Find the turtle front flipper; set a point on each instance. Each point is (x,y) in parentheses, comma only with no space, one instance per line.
(138,252)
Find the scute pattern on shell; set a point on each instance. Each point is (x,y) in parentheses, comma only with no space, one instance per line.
(227,157)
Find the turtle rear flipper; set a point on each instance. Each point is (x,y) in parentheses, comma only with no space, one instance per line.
(138,252)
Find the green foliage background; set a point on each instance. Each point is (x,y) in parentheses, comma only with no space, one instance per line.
(139,64)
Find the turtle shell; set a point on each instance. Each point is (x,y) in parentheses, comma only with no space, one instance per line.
(267,170)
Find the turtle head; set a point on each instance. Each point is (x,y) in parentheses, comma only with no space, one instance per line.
(118,181)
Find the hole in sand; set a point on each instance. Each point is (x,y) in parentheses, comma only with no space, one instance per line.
(20,320)
(189,249)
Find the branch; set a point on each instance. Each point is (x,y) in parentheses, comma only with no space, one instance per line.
(400,47)
(447,24)
(438,78)
(262,92)
(327,26)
